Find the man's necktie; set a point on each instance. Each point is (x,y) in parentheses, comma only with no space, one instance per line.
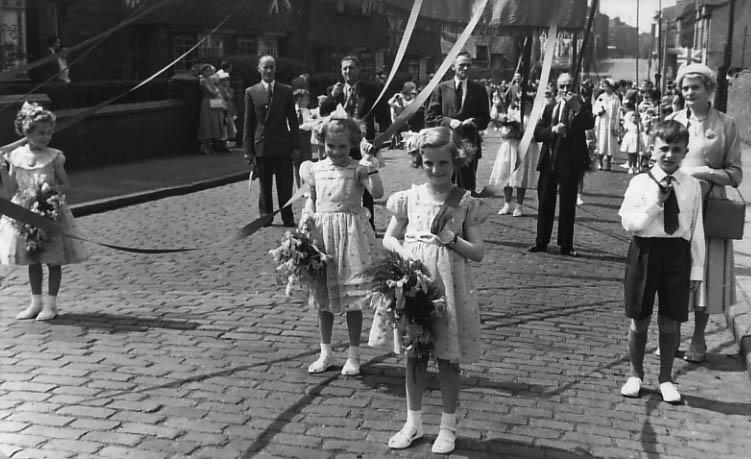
(270,93)
(349,103)
(671,208)
(459,95)
(299,115)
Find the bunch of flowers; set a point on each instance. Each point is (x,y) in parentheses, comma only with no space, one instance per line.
(405,300)
(299,261)
(45,201)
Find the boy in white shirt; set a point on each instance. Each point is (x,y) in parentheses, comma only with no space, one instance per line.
(662,209)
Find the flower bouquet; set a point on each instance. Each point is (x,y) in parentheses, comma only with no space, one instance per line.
(299,262)
(405,300)
(45,201)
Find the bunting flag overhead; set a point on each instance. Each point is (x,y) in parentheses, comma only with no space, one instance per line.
(401,51)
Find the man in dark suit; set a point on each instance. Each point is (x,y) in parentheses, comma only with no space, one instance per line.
(357,97)
(462,105)
(270,138)
(562,162)
(55,68)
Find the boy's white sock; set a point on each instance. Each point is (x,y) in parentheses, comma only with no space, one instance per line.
(353,352)
(326,349)
(352,365)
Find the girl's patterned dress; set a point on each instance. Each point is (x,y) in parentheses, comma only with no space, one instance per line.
(457,334)
(30,171)
(342,226)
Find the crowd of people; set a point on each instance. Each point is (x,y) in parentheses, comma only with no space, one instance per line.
(687,156)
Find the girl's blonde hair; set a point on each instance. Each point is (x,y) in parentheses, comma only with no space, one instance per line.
(30,116)
(439,137)
(349,126)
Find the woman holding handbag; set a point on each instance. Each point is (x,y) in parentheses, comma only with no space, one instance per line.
(714,157)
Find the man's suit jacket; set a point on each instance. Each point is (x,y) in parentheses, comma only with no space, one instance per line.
(365,94)
(566,154)
(443,107)
(271,129)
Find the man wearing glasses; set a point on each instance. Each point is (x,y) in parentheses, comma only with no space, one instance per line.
(462,105)
(561,164)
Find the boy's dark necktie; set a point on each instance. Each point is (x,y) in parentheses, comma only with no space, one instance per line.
(671,208)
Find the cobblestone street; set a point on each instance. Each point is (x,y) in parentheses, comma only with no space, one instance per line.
(200,354)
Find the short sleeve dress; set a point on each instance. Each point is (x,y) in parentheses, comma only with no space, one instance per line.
(31,170)
(714,142)
(457,334)
(343,228)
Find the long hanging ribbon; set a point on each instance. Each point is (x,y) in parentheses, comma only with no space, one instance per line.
(91,110)
(400,52)
(10,74)
(539,102)
(70,64)
(417,102)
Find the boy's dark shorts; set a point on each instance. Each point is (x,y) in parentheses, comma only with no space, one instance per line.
(661,266)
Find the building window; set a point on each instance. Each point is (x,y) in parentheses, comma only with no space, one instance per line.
(482,55)
(246,46)
(212,46)
(12,34)
(180,44)
(267,46)
(413,67)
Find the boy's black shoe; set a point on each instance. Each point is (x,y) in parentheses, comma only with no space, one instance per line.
(569,252)
(538,248)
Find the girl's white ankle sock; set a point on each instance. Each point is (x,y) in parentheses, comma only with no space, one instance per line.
(326,349)
(414,419)
(448,421)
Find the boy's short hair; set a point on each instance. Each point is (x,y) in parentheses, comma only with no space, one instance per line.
(669,131)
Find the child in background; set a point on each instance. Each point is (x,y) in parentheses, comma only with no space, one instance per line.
(662,209)
(397,103)
(230,113)
(34,171)
(632,141)
(446,255)
(335,213)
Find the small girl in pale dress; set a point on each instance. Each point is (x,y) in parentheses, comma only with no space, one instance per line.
(632,139)
(334,211)
(446,255)
(34,168)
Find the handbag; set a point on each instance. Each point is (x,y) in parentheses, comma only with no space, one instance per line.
(724,218)
(218,103)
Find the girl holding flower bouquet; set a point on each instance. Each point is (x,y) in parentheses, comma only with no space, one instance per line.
(337,219)
(441,225)
(35,178)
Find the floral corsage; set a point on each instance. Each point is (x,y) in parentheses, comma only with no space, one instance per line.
(406,301)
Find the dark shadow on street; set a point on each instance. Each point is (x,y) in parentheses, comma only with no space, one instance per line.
(540,314)
(499,448)
(116,323)
(264,438)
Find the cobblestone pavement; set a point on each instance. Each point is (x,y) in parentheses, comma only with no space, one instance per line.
(199,354)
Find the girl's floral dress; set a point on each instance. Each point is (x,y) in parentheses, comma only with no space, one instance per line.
(457,333)
(341,225)
(30,171)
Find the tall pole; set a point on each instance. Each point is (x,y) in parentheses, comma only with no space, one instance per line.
(637,44)
(659,80)
(721,101)
(585,41)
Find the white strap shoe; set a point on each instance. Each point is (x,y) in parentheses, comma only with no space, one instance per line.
(30,312)
(669,392)
(405,437)
(351,367)
(505,210)
(632,387)
(445,442)
(323,363)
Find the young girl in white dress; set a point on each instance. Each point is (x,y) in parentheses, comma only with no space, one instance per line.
(29,170)
(446,255)
(340,222)
(632,140)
